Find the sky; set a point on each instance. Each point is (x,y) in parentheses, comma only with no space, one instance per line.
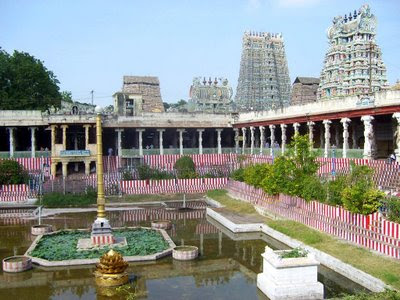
(91,45)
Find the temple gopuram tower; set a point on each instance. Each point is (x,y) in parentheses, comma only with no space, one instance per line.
(264,81)
(353,64)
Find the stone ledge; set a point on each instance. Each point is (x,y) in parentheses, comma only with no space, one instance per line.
(364,279)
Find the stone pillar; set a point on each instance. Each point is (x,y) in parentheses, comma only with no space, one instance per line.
(397,136)
(283,129)
(219,140)
(236,140)
(310,125)
(53,141)
(181,131)
(33,142)
(327,124)
(53,168)
(64,136)
(272,137)
(368,137)
(119,140)
(262,138)
(140,131)
(200,131)
(87,167)
(251,140)
(86,126)
(64,169)
(244,139)
(345,122)
(160,131)
(11,140)
(296,128)
(354,136)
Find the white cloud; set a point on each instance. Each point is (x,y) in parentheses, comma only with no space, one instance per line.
(253,5)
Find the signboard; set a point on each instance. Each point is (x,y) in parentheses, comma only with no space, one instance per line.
(75,153)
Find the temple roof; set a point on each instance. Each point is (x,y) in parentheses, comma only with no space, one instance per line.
(306,80)
(141,79)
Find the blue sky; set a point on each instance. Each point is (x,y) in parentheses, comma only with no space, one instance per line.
(90,45)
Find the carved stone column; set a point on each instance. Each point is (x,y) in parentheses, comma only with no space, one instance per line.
(310,125)
(11,141)
(200,131)
(283,129)
(160,132)
(262,138)
(327,124)
(53,141)
(368,137)
(87,167)
(296,128)
(87,128)
(236,130)
(64,169)
(219,140)
(397,136)
(321,136)
(64,136)
(181,131)
(119,141)
(251,140)
(272,138)
(354,136)
(345,122)
(140,131)
(244,140)
(33,141)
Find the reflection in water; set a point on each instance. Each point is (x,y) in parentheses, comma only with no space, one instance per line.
(226,269)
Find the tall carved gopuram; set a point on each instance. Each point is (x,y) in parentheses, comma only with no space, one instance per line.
(353,64)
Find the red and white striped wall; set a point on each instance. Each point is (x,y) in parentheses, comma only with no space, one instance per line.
(102,239)
(370,231)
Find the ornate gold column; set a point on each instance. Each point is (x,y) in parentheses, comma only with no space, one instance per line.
(101,213)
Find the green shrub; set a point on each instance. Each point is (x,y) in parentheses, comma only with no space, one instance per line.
(127,175)
(334,190)
(294,253)
(357,199)
(312,189)
(145,172)
(11,172)
(69,200)
(360,195)
(279,177)
(255,174)
(386,295)
(393,209)
(185,168)
(238,175)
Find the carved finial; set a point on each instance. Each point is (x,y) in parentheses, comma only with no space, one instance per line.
(345,18)
(215,81)
(355,14)
(204,81)
(209,80)
(350,16)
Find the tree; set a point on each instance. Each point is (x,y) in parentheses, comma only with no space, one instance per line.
(25,83)
(166,105)
(185,167)
(66,96)
(11,172)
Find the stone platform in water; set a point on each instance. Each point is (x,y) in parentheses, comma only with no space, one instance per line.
(133,235)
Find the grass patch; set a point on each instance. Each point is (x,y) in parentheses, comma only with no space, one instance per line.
(234,205)
(69,200)
(385,268)
(152,198)
(387,295)
(62,245)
